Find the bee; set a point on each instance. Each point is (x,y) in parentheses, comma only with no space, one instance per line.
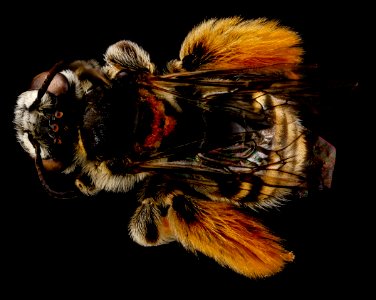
(207,143)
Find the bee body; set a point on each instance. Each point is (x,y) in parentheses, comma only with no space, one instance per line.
(216,137)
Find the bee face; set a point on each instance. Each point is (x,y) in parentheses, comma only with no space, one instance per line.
(48,121)
(216,137)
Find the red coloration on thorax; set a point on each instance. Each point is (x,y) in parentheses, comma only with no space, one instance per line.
(161,126)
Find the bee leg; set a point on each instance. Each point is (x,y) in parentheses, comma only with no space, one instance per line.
(219,230)
(85,188)
(149,225)
(231,237)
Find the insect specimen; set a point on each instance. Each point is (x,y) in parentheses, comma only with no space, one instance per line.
(217,136)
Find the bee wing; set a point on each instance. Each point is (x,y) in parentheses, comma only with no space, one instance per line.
(255,138)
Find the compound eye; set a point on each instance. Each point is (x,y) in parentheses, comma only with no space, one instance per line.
(52,165)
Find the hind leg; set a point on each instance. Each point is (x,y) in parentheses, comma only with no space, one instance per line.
(219,230)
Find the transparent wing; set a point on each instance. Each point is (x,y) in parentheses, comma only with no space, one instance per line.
(253,130)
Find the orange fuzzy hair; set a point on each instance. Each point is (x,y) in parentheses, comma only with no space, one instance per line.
(231,238)
(235,43)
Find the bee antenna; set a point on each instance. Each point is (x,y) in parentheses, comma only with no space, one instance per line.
(40,170)
(42,90)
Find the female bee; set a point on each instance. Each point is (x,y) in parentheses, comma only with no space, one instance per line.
(215,137)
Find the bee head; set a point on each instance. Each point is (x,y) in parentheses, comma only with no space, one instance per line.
(44,117)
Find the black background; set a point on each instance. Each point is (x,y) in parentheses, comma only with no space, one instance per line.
(81,247)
